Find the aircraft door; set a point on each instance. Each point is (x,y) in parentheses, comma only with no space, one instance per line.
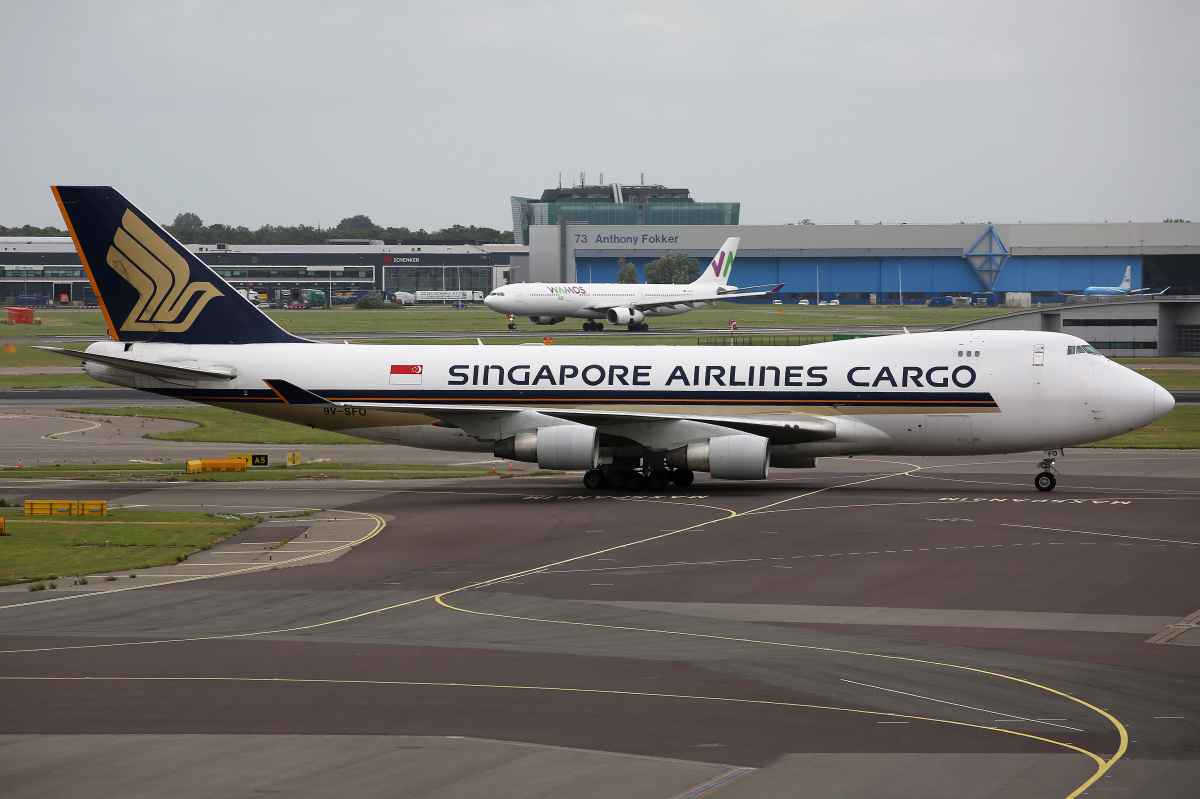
(1039,354)
(948,433)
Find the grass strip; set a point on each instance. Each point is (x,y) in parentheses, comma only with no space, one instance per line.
(47,548)
(177,472)
(1173,379)
(1179,429)
(222,425)
(50,381)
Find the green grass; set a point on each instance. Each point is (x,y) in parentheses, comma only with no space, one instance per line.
(177,472)
(58,323)
(26,355)
(441,319)
(1173,379)
(49,381)
(1144,361)
(1179,429)
(219,424)
(43,548)
(480,318)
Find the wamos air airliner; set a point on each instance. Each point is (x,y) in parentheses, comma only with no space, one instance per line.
(622,303)
(627,416)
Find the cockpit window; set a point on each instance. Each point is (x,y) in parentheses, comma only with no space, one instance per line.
(1082,349)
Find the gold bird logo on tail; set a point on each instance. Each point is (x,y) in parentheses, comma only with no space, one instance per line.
(161,277)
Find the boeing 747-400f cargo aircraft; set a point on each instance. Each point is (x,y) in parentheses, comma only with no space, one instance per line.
(622,303)
(628,417)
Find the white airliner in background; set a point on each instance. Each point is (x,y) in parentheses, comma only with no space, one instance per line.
(627,416)
(622,303)
(1124,288)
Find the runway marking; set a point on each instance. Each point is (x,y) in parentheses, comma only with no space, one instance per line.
(956,704)
(1183,625)
(719,781)
(905,717)
(1105,535)
(1102,765)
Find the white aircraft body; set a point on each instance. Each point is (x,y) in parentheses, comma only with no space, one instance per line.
(628,416)
(622,303)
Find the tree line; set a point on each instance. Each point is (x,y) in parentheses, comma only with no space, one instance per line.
(678,267)
(189,228)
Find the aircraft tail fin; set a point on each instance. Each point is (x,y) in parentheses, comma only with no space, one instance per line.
(721,266)
(150,287)
(1127,282)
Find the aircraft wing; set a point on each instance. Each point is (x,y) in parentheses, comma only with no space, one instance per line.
(168,370)
(794,430)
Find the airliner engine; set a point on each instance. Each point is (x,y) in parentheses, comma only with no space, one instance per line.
(624,316)
(739,457)
(567,446)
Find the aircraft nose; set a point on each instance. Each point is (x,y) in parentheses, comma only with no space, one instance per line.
(1163,401)
(490,302)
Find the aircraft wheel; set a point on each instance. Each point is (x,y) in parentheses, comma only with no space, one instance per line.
(632,327)
(587,327)
(644,327)
(511,326)
(1045,481)
(615,479)
(599,326)
(658,480)
(683,477)
(634,481)
(593,479)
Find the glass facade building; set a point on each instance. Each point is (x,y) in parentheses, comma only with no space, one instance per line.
(616,204)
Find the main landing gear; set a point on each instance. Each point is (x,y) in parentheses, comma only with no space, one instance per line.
(593,327)
(638,327)
(635,479)
(1045,480)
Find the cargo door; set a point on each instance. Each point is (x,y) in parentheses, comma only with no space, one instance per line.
(948,433)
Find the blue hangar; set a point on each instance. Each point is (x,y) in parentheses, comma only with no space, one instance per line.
(887,264)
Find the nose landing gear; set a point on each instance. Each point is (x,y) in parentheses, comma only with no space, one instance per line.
(1045,480)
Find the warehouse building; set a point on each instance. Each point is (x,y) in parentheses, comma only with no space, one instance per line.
(890,264)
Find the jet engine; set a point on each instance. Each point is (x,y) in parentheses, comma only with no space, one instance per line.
(546,320)
(567,446)
(738,457)
(624,316)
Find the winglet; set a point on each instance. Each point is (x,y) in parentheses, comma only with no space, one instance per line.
(294,395)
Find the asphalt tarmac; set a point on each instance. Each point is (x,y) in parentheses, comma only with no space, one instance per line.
(875,627)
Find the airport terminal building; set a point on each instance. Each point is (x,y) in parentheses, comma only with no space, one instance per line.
(47,271)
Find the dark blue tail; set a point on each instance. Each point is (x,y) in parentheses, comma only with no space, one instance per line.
(149,286)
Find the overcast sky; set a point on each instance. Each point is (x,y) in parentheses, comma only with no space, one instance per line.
(426,114)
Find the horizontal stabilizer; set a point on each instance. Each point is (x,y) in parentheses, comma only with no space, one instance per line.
(147,367)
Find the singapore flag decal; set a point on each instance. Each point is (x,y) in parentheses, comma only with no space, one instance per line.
(406,375)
